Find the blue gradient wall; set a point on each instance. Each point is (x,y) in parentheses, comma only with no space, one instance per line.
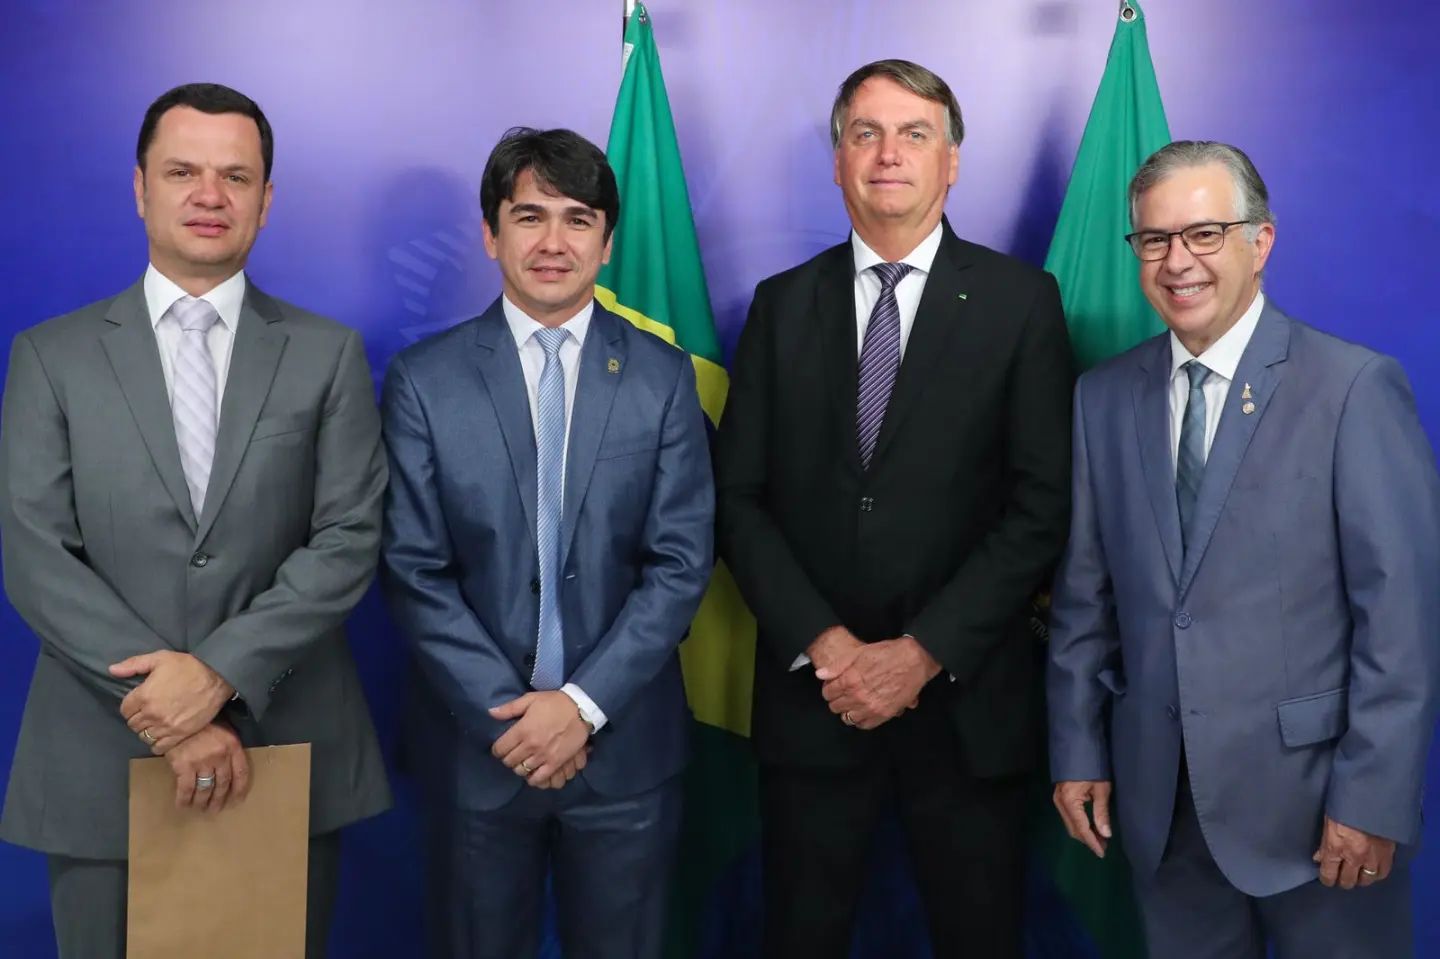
(384,113)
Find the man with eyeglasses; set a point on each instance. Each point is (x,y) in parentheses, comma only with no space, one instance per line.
(1243,643)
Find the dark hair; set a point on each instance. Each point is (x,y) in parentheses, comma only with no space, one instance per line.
(211,98)
(913,77)
(562,161)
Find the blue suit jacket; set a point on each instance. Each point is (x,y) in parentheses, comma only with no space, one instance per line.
(459,547)
(1293,648)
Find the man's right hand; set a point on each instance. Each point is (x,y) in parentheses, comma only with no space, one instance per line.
(833,649)
(1070,800)
(214,751)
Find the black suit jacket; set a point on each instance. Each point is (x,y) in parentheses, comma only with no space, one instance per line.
(946,536)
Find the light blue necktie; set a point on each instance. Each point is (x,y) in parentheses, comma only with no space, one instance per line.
(549,670)
(1190,465)
(194,402)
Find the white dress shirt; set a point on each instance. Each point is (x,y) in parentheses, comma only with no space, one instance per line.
(532,364)
(161,294)
(907,291)
(1222,359)
(907,298)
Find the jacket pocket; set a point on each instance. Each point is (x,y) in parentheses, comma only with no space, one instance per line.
(1312,719)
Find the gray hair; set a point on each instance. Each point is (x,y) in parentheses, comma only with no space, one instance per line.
(1252,200)
(913,77)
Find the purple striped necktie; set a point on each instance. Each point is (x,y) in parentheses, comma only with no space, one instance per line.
(879,359)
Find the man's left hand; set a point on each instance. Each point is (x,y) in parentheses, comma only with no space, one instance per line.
(547,735)
(1349,857)
(179,696)
(879,682)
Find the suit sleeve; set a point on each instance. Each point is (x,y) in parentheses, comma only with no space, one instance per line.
(678,546)
(317,585)
(76,614)
(791,611)
(1084,637)
(421,578)
(981,602)
(1387,505)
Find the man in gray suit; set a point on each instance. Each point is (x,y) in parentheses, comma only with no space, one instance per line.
(190,486)
(1244,642)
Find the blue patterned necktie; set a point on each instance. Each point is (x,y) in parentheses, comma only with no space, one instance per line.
(549,670)
(879,359)
(194,402)
(1190,465)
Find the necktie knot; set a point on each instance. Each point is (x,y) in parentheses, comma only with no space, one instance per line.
(1198,373)
(551,339)
(194,314)
(891,274)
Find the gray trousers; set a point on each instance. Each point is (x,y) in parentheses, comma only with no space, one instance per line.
(88,902)
(1191,911)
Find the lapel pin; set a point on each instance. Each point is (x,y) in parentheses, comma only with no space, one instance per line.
(962,296)
(1249,406)
(612,365)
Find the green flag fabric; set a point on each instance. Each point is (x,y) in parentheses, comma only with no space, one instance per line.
(1099,281)
(1099,276)
(655,279)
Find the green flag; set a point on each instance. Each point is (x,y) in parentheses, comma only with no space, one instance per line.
(1099,276)
(655,279)
(1099,281)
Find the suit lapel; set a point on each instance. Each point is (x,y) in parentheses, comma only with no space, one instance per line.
(1260,368)
(135,358)
(504,381)
(254,357)
(839,350)
(940,312)
(1152,422)
(602,370)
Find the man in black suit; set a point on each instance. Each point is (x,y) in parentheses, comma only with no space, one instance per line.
(893,476)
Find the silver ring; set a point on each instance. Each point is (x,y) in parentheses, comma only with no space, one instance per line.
(204,782)
(1370,872)
(845,718)
(149,739)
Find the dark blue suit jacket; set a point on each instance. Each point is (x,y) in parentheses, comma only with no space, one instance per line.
(1291,651)
(459,547)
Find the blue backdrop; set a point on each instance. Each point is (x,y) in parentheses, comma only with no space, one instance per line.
(385,112)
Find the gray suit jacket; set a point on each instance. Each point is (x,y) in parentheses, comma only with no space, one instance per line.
(105,559)
(1291,649)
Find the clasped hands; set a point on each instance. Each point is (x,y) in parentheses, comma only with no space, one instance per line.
(868,684)
(174,712)
(548,744)
(1348,857)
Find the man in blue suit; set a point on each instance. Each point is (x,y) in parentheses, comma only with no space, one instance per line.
(547,541)
(1244,637)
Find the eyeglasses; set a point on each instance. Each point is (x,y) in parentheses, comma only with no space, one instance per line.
(1201,239)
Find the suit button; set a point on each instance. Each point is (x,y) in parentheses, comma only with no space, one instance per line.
(535,586)
(1183,620)
(867,503)
(529,660)
(199,560)
(1172,711)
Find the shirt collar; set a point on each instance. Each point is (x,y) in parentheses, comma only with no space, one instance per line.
(522,327)
(161,292)
(1223,356)
(921,258)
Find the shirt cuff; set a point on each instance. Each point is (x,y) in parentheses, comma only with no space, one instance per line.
(801,660)
(591,713)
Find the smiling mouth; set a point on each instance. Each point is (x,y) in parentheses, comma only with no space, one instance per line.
(1186,292)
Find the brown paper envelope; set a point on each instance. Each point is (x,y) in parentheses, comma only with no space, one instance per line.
(230,885)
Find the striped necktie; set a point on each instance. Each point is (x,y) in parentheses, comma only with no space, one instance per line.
(194,402)
(879,359)
(1190,464)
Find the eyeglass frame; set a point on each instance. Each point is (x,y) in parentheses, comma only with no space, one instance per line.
(1170,236)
